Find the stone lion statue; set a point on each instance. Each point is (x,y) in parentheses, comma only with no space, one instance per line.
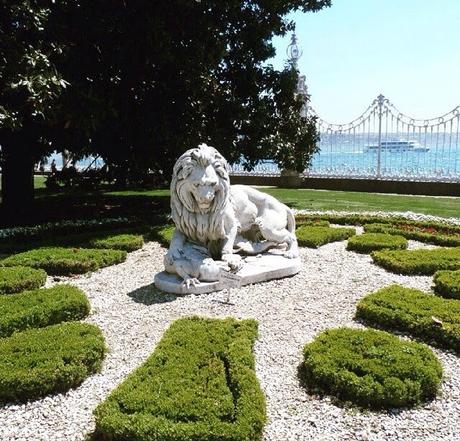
(216,221)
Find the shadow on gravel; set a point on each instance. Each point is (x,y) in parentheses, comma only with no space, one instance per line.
(150,295)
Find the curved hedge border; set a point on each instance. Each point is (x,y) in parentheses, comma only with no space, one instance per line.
(314,237)
(367,242)
(66,261)
(431,318)
(124,242)
(199,384)
(447,284)
(163,234)
(37,362)
(19,278)
(418,232)
(418,262)
(446,227)
(312,222)
(42,307)
(371,368)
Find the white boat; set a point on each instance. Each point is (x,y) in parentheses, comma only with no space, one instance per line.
(396,146)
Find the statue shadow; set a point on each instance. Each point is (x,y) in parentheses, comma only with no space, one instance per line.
(151,295)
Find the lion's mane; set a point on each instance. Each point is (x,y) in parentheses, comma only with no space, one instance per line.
(197,226)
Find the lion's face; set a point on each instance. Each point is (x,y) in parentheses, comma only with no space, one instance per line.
(200,180)
(203,185)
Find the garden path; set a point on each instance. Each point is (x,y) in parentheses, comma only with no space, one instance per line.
(133,316)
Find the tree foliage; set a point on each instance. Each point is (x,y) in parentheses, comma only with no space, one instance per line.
(139,82)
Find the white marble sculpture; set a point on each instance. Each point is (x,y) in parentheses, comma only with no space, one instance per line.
(217,223)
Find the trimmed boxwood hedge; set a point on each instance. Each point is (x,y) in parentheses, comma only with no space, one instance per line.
(19,278)
(312,222)
(428,317)
(66,261)
(371,368)
(447,284)
(42,307)
(440,235)
(437,227)
(125,242)
(365,243)
(418,262)
(199,384)
(313,237)
(163,234)
(37,362)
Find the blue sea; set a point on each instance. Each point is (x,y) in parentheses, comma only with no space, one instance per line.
(354,161)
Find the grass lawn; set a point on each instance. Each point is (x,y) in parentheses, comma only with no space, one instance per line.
(358,201)
(39,181)
(344,200)
(77,203)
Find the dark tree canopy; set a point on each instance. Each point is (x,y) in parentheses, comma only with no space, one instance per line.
(140,81)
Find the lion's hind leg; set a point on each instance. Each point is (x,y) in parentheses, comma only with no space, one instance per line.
(279,236)
(252,248)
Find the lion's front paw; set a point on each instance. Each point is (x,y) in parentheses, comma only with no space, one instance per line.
(291,254)
(234,261)
(190,281)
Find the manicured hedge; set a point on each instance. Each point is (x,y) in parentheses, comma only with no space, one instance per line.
(428,317)
(447,284)
(371,368)
(313,237)
(19,278)
(312,222)
(436,227)
(163,234)
(125,242)
(434,235)
(365,243)
(37,362)
(65,261)
(418,262)
(42,307)
(199,384)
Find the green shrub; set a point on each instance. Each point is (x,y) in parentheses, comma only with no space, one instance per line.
(438,235)
(313,222)
(65,261)
(371,368)
(125,242)
(365,243)
(163,234)
(418,262)
(37,362)
(42,307)
(447,284)
(440,227)
(199,384)
(19,278)
(313,237)
(431,318)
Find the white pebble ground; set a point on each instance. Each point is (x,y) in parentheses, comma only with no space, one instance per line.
(133,316)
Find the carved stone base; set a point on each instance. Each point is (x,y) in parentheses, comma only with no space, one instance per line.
(256,269)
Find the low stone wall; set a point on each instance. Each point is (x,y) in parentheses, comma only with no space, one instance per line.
(366,185)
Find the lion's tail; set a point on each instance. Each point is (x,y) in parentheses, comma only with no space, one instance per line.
(290,221)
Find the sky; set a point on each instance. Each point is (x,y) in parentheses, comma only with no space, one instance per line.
(408,50)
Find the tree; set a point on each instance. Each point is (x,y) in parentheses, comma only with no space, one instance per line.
(29,87)
(147,80)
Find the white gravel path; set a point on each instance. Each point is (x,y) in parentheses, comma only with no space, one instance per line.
(133,317)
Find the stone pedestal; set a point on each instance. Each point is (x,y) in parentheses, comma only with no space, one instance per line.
(255,269)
